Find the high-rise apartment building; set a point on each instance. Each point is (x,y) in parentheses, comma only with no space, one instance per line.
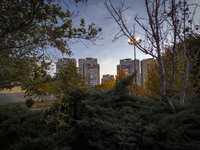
(107,77)
(64,62)
(144,65)
(128,66)
(90,69)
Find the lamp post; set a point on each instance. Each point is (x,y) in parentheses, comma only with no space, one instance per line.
(134,42)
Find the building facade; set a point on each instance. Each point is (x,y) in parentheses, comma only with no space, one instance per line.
(64,62)
(128,66)
(90,69)
(107,77)
(144,65)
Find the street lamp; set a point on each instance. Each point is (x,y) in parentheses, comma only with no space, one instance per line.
(134,42)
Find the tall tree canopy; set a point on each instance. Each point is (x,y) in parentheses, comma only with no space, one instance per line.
(166,23)
(28,28)
(109,83)
(153,83)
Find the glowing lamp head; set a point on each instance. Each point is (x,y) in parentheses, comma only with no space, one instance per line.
(137,39)
(129,41)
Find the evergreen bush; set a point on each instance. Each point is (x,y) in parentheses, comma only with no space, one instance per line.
(102,120)
(116,120)
(29,102)
(22,129)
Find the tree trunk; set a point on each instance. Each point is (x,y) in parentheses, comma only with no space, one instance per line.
(182,100)
(163,88)
(169,103)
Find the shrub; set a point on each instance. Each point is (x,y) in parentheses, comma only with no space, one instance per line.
(115,120)
(21,128)
(29,102)
(99,120)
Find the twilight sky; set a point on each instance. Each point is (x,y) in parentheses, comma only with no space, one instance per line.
(108,53)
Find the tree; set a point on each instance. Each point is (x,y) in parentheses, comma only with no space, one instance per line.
(187,31)
(121,75)
(140,91)
(70,78)
(163,26)
(189,69)
(35,76)
(152,83)
(110,83)
(65,81)
(29,28)
(195,70)
(155,33)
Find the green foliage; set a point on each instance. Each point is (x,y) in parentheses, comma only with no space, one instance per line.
(22,129)
(66,80)
(195,99)
(152,83)
(193,86)
(99,120)
(194,77)
(121,87)
(179,131)
(67,109)
(70,78)
(27,30)
(121,121)
(58,116)
(174,80)
(29,102)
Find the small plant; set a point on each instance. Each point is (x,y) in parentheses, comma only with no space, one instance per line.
(29,102)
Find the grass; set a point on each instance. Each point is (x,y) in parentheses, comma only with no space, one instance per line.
(42,105)
(36,106)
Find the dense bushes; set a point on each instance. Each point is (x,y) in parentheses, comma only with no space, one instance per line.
(116,120)
(102,120)
(29,102)
(21,129)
